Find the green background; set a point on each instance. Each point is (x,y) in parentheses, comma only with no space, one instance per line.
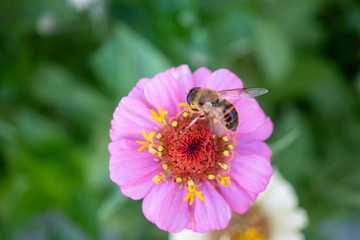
(63,70)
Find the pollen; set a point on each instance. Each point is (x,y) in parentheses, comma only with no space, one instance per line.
(174,124)
(252,225)
(211,177)
(229,146)
(251,234)
(165,166)
(224,139)
(223,165)
(188,158)
(159,136)
(225,153)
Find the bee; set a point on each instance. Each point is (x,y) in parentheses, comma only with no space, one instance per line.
(215,106)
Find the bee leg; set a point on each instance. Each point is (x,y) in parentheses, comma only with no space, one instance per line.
(192,123)
(211,124)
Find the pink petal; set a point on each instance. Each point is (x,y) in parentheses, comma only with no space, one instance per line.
(251,116)
(169,89)
(138,90)
(183,74)
(192,225)
(141,187)
(130,118)
(200,75)
(221,79)
(261,133)
(115,147)
(259,148)
(212,214)
(165,206)
(250,170)
(237,197)
(128,165)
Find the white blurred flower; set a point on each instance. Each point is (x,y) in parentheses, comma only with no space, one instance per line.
(96,11)
(45,24)
(280,204)
(274,216)
(188,235)
(81,5)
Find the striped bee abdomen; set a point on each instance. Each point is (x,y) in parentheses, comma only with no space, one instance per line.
(227,114)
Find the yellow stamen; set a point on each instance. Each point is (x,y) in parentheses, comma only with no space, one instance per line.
(192,191)
(158,178)
(159,117)
(165,166)
(160,148)
(160,154)
(223,180)
(179,179)
(150,137)
(152,150)
(184,105)
(223,165)
(144,145)
(185,115)
(147,143)
(190,182)
(192,109)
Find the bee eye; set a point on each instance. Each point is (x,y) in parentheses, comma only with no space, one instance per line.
(190,95)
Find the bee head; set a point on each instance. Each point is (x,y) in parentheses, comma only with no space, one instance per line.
(191,93)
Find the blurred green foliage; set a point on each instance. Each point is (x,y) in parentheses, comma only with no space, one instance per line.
(64,67)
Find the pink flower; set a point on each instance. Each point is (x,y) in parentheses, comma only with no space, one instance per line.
(186,181)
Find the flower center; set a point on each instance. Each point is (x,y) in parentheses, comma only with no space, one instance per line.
(252,225)
(188,154)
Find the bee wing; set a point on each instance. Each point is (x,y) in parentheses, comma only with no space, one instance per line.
(243,93)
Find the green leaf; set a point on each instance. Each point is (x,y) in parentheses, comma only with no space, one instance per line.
(357,82)
(124,58)
(56,87)
(38,130)
(273,51)
(96,155)
(112,204)
(233,32)
(293,146)
(319,82)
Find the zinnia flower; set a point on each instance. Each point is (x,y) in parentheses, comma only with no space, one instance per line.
(274,216)
(187,179)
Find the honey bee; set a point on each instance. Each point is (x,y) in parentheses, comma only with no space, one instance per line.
(215,106)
